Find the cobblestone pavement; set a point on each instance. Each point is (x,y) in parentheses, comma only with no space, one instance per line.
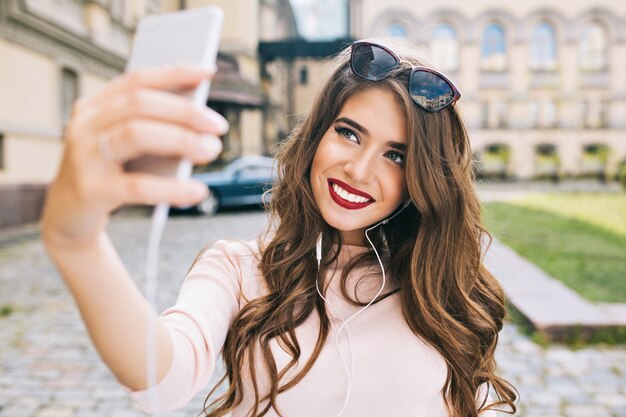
(48,367)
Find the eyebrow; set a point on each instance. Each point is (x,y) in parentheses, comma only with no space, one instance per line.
(357,126)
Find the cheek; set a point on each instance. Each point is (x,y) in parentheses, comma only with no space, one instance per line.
(315,166)
(324,156)
(318,164)
(395,184)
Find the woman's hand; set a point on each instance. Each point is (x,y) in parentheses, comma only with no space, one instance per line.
(133,115)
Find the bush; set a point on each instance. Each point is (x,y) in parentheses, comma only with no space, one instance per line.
(496,160)
(621,173)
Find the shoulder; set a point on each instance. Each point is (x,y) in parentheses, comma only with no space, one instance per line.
(237,248)
(238,253)
(236,259)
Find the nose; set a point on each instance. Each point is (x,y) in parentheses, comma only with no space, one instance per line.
(360,167)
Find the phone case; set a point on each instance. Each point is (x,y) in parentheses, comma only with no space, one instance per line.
(189,36)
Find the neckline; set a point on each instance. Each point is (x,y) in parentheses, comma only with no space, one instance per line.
(348,252)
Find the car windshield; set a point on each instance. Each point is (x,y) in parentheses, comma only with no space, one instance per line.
(234,164)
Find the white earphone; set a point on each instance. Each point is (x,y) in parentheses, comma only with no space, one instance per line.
(318,255)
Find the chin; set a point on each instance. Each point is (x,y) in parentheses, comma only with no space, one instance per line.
(345,223)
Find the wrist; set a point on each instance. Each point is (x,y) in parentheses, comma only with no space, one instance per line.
(56,240)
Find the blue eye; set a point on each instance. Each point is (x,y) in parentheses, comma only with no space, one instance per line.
(348,134)
(396,157)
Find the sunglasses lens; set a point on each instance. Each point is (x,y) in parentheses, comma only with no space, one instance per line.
(430,91)
(372,62)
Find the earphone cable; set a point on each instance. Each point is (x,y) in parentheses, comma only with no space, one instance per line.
(159,219)
(345,322)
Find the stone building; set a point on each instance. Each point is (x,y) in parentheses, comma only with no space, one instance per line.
(51,52)
(543,83)
(54,51)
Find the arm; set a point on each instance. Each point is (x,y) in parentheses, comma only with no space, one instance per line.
(132,110)
(198,323)
(113,309)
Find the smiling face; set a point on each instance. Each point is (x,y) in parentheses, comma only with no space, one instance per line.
(357,175)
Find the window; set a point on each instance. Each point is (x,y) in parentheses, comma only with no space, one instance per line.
(593,113)
(593,48)
(543,48)
(543,113)
(304,76)
(69,93)
(533,114)
(1,152)
(444,48)
(484,116)
(254,171)
(495,113)
(549,114)
(493,50)
(396,30)
(502,112)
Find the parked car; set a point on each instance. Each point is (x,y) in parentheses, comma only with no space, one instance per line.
(241,182)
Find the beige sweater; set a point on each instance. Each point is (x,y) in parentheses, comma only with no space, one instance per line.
(395,372)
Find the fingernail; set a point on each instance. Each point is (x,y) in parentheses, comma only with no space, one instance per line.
(218,121)
(210,145)
(199,191)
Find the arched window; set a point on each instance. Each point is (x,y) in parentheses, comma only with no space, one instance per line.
(543,48)
(493,49)
(396,30)
(444,48)
(593,47)
(1,152)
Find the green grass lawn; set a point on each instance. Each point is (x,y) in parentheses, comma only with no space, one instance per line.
(578,238)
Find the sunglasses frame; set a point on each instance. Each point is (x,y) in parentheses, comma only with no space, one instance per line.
(414,68)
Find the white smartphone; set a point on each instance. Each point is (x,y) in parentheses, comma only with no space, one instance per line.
(189,36)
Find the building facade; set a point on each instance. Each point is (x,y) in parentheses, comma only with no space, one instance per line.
(54,51)
(543,83)
(51,52)
(256,111)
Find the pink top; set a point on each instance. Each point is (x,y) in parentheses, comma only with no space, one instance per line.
(395,373)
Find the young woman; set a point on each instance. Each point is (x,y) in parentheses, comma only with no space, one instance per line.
(367,296)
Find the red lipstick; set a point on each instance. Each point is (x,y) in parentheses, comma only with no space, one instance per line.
(350,205)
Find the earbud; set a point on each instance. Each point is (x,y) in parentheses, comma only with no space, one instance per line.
(318,250)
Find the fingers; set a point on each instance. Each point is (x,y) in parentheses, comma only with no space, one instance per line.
(172,78)
(137,114)
(134,138)
(147,189)
(162,106)
(144,93)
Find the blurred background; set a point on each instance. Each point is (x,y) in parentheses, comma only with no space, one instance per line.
(543,82)
(543,87)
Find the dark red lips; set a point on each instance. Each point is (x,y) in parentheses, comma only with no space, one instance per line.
(350,205)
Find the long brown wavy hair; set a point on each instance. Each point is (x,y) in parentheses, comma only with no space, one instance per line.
(432,251)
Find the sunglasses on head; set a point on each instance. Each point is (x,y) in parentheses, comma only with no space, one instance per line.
(429,89)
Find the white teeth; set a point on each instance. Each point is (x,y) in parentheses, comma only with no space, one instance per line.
(349,196)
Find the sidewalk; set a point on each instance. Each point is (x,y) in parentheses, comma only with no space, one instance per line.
(15,234)
(49,367)
(547,303)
